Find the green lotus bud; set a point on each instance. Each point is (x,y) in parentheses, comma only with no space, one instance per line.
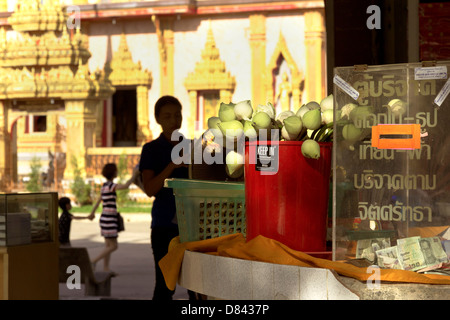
(287,136)
(232,130)
(249,130)
(293,125)
(311,149)
(351,133)
(327,116)
(243,110)
(234,164)
(226,112)
(312,119)
(261,120)
(360,112)
(214,128)
(212,122)
(327,103)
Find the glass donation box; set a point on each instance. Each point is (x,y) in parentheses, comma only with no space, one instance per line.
(29,246)
(391,179)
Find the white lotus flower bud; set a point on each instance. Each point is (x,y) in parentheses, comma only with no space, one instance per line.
(327,103)
(268,108)
(313,105)
(301,111)
(327,116)
(285,114)
(234,164)
(397,107)
(347,109)
(243,110)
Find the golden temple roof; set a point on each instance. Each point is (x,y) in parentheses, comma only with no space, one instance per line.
(45,59)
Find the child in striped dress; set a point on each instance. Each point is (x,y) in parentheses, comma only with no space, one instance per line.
(109,216)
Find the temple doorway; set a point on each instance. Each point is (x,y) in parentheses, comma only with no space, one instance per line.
(124,118)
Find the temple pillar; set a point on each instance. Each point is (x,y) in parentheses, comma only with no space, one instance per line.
(258,52)
(100,124)
(315,74)
(166,48)
(192,127)
(143,134)
(81,117)
(5,150)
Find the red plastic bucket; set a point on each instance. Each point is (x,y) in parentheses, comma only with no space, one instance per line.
(286,194)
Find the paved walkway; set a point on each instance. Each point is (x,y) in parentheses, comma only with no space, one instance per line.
(133,260)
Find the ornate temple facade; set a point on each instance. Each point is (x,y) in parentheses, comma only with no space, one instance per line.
(80,78)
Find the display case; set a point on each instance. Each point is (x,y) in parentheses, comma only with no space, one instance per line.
(29,246)
(27,218)
(391,178)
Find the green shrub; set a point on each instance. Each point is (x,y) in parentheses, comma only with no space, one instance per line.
(80,189)
(35,184)
(122,195)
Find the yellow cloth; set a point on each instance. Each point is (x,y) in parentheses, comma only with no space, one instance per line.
(271,251)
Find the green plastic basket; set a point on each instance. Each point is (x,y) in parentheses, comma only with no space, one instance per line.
(208,209)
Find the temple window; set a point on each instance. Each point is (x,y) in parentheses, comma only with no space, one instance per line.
(35,123)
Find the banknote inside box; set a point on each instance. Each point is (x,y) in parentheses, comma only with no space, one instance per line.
(391,179)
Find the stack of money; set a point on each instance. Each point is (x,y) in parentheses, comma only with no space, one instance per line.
(413,253)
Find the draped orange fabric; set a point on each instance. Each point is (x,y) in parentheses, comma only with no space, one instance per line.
(268,250)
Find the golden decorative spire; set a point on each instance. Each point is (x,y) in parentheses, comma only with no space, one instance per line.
(124,71)
(210,72)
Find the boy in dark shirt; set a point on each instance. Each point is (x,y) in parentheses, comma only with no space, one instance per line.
(156,165)
(65,221)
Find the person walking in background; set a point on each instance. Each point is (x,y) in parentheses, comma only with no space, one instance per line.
(109,217)
(65,221)
(156,165)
